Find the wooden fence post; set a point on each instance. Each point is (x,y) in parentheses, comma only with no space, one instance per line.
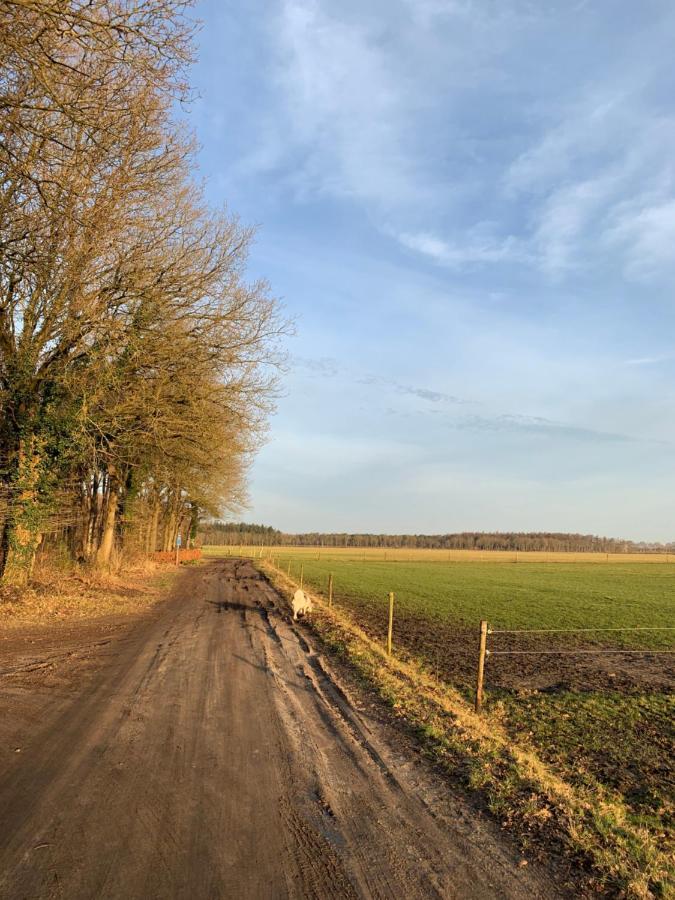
(391,622)
(289,568)
(302,574)
(330,589)
(481,664)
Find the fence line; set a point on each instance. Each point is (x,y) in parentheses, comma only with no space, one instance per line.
(484,653)
(575,630)
(569,652)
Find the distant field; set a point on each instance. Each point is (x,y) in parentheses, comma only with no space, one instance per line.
(575,593)
(404,554)
(594,716)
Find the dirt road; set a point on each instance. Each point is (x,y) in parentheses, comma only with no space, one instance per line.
(210,753)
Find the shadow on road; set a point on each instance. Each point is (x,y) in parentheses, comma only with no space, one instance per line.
(222,605)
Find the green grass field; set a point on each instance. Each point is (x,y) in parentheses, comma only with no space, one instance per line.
(527,595)
(593,717)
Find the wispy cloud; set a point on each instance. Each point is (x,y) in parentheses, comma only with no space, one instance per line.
(538,425)
(478,248)
(324,366)
(572,148)
(563,219)
(600,185)
(380,111)
(645,231)
(421,392)
(461,203)
(327,367)
(346,106)
(649,360)
(528,427)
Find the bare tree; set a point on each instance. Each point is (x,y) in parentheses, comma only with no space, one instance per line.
(134,357)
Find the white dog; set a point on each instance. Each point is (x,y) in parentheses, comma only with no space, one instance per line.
(301,603)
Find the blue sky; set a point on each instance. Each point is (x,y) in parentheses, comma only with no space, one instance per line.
(469,210)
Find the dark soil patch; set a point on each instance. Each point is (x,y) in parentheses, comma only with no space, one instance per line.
(451,652)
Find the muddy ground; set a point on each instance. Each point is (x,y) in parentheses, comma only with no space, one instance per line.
(451,652)
(208,750)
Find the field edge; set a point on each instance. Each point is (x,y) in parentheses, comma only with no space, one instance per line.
(590,828)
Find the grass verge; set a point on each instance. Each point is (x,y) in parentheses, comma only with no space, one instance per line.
(585,822)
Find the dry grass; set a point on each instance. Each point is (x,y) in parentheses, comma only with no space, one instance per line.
(54,598)
(403,554)
(590,825)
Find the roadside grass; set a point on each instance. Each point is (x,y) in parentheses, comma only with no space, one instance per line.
(587,771)
(58,598)
(624,742)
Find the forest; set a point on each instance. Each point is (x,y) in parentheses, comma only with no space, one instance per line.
(222,533)
(137,362)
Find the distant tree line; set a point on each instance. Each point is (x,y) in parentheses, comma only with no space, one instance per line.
(136,362)
(233,533)
(221,533)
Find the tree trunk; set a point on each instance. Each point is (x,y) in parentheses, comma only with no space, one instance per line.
(108,533)
(21,530)
(168,529)
(81,545)
(152,530)
(193,525)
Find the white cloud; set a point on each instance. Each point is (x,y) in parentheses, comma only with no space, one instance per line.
(646,235)
(378,104)
(564,218)
(600,186)
(346,105)
(354,105)
(647,360)
(582,135)
(481,142)
(476,249)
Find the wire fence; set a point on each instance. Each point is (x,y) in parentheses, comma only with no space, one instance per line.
(571,652)
(485,632)
(485,653)
(574,630)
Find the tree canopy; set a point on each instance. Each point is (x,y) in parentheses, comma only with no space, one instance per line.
(137,363)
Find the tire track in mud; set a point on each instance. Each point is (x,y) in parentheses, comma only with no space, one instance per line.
(216,755)
(403,859)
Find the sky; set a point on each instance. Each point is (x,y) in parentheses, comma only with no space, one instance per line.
(468,209)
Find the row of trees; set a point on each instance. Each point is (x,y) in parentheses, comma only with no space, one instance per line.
(233,533)
(136,362)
